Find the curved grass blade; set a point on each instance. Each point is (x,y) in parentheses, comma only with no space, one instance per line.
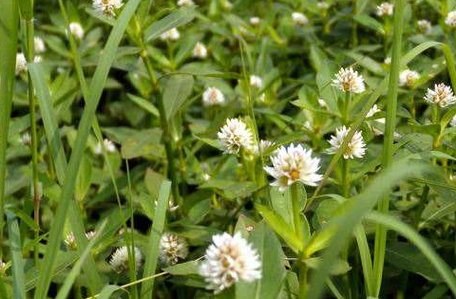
(175,19)
(14,236)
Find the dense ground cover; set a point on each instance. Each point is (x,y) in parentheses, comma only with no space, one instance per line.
(244,149)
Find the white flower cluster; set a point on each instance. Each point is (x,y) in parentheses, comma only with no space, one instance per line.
(119,259)
(441,95)
(170,35)
(356,147)
(39,45)
(235,135)
(76,30)
(213,96)
(185,3)
(108,145)
(107,7)
(408,78)
(256,81)
(451,19)
(385,9)
(424,26)
(348,80)
(200,51)
(172,249)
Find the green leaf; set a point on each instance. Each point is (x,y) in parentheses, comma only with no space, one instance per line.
(16,257)
(175,19)
(370,22)
(84,179)
(338,268)
(187,268)
(177,89)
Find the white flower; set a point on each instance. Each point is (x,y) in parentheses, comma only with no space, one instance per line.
(441,95)
(322,5)
(235,135)
(264,146)
(356,147)
(453,121)
(107,7)
(451,19)
(213,96)
(385,9)
(322,103)
(37,59)
(172,249)
(299,19)
(293,164)
(229,259)
(90,235)
(408,78)
(3,267)
(256,81)
(70,241)
(21,63)
(424,26)
(348,80)
(26,139)
(185,3)
(108,145)
(171,35)
(119,259)
(255,21)
(372,111)
(200,51)
(387,60)
(262,97)
(171,206)
(76,30)
(39,45)
(206,177)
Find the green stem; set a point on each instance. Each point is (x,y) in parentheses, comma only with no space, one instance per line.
(303,270)
(383,206)
(296,205)
(346,109)
(345,178)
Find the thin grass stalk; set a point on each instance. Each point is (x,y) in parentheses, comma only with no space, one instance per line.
(8,49)
(296,206)
(391,110)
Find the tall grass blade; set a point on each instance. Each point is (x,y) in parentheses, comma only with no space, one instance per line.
(16,257)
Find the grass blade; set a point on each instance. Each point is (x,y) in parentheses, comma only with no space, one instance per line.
(16,256)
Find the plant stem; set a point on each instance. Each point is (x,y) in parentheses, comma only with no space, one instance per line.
(345,178)
(296,205)
(383,206)
(303,280)
(346,108)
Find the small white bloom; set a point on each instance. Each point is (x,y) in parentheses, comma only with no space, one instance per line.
(213,96)
(90,235)
(292,164)
(348,80)
(171,206)
(37,59)
(3,267)
(372,111)
(206,177)
(235,135)
(255,21)
(385,9)
(387,60)
(229,259)
(452,177)
(39,45)
(200,50)
(119,259)
(108,145)
(441,95)
(308,125)
(356,147)
(322,103)
(424,26)
(171,35)
(453,121)
(21,63)
(299,19)
(263,147)
(172,249)
(256,81)
(322,5)
(76,30)
(185,3)
(451,19)
(408,78)
(107,7)
(70,241)
(26,139)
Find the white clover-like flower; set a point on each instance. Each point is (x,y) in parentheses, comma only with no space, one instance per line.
(170,35)
(3,267)
(299,19)
(453,121)
(387,60)
(372,111)
(26,139)
(70,241)
(356,147)
(322,5)
(451,19)
(408,78)
(213,96)
(293,164)
(424,26)
(185,3)
(21,63)
(263,146)
(119,259)
(171,206)
(39,45)
(172,249)
(441,95)
(256,81)
(108,145)
(90,235)
(107,7)
(322,103)
(385,9)
(76,30)
(235,136)
(255,21)
(229,259)
(200,51)
(349,80)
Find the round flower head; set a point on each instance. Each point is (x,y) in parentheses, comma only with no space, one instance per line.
(356,147)
(293,164)
(408,78)
(255,21)
(213,96)
(21,63)
(385,9)
(70,241)
(119,259)
(299,19)
(424,26)
(264,146)
(256,81)
(108,145)
(235,135)
(451,19)
(90,235)
(372,111)
(3,267)
(39,45)
(172,249)
(387,61)
(348,80)
(322,5)
(229,259)
(26,139)
(107,7)
(200,51)
(441,95)
(185,3)
(322,103)
(76,30)
(170,35)
(453,121)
